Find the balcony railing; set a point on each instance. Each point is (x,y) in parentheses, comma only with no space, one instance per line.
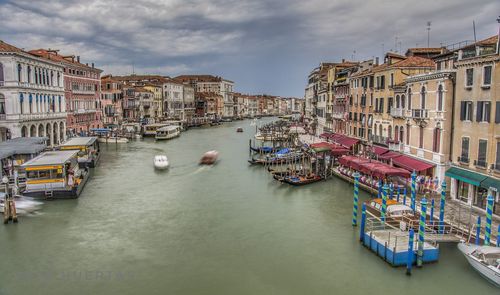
(379,139)
(420,113)
(397,112)
(463,159)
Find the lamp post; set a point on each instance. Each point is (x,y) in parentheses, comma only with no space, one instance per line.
(6,216)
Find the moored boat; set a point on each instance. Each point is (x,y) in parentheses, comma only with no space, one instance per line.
(161,162)
(55,174)
(167,132)
(298,180)
(484,259)
(87,147)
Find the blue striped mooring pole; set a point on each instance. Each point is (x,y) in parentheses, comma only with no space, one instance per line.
(398,193)
(384,202)
(478,230)
(421,232)
(431,216)
(379,195)
(441,207)
(363,222)
(413,190)
(409,258)
(391,190)
(489,212)
(498,236)
(355,201)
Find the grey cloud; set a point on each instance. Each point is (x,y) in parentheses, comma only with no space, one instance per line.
(265,46)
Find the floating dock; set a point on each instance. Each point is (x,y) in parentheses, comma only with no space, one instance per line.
(392,246)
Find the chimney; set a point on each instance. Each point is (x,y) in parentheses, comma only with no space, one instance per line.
(343,60)
(78,59)
(376,61)
(92,65)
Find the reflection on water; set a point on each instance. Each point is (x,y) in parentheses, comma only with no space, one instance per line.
(222,229)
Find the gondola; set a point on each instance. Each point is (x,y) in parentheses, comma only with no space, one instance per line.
(300,180)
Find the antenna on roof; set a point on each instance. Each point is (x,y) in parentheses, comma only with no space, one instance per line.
(428,33)
(474,29)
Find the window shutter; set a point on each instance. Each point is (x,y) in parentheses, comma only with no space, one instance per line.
(487,110)
(497,111)
(462,110)
(479,111)
(469,110)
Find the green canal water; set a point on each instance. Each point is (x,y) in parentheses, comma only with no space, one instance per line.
(226,229)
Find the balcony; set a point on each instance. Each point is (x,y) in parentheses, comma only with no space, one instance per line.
(398,112)
(420,114)
(85,92)
(463,160)
(379,139)
(2,117)
(338,115)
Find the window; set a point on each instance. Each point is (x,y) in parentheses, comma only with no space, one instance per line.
(497,112)
(469,77)
(422,98)
(397,101)
(1,72)
(390,104)
(466,110)
(403,101)
(409,98)
(463,191)
(440,98)
(436,140)
(421,138)
(2,105)
(464,155)
(481,155)
(21,101)
(381,107)
(401,134)
(382,82)
(376,105)
(392,80)
(28,70)
(497,162)
(483,111)
(487,76)
(408,134)
(19,70)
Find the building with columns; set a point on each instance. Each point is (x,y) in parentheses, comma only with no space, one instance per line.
(32,100)
(82,90)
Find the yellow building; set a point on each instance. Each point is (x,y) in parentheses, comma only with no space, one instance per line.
(157,90)
(475,173)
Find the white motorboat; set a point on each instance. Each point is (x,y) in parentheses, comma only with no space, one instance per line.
(167,132)
(24,205)
(112,139)
(485,259)
(161,162)
(209,158)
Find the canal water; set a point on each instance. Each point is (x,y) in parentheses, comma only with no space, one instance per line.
(226,229)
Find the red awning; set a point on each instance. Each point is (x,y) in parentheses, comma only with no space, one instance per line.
(346,141)
(382,170)
(340,151)
(411,164)
(389,155)
(378,150)
(352,161)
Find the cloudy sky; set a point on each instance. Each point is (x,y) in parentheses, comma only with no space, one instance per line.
(264,46)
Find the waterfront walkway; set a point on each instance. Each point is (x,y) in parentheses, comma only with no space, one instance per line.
(456,213)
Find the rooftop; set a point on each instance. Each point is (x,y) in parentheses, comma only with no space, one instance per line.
(22,146)
(80,141)
(51,158)
(54,55)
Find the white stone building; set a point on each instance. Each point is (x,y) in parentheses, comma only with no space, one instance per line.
(32,99)
(173,104)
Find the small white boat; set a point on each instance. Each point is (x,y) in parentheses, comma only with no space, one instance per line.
(161,162)
(485,259)
(167,132)
(209,158)
(112,139)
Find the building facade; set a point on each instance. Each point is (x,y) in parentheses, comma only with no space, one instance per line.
(82,90)
(32,101)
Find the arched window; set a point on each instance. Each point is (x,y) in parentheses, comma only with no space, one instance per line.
(28,70)
(408,134)
(409,98)
(403,101)
(21,102)
(401,134)
(30,103)
(422,98)
(375,129)
(51,78)
(60,108)
(421,138)
(43,76)
(380,130)
(36,76)
(58,78)
(436,140)
(389,132)
(396,133)
(19,71)
(397,101)
(440,98)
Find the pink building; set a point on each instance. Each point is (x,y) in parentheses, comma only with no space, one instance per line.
(82,89)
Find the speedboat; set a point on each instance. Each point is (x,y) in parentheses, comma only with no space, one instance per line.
(161,162)
(484,259)
(209,158)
